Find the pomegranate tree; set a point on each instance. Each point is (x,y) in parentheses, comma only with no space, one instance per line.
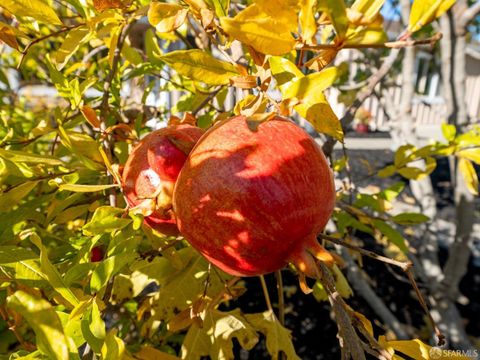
(253,200)
(151,171)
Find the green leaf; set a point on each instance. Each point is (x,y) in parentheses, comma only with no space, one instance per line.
(266,34)
(278,337)
(200,66)
(179,287)
(105,220)
(12,254)
(51,273)
(70,45)
(93,327)
(469,175)
(28,158)
(166,17)
(85,188)
(215,337)
(392,191)
(410,218)
(337,12)
(12,197)
(341,285)
(113,348)
(36,9)
(449,131)
(108,268)
(393,235)
(44,321)
(220,6)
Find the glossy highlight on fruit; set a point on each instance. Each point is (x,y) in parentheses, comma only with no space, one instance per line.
(252,200)
(151,171)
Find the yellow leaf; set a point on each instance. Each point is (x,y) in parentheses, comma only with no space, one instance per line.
(308,85)
(425,11)
(200,66)
(71,43)
(166,17)
(37,9)
(7,35)
(284,71)
(148,353)
(471,154)
(307,20)
(416,349)
(469,175)
(12,197)
(368,8)
(324,58)
(366,36)
(283,11)
(266,34)
(337,12)
(85,188)
(316,109)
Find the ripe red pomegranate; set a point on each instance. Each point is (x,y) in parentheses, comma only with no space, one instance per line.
(96,254)
(253,200)
(151,171)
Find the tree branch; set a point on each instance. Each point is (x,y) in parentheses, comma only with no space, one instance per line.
(469,14)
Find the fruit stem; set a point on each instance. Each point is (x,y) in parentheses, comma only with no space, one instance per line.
(265,293)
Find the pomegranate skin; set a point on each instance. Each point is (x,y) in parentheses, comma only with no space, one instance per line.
(151,171)
(252,201)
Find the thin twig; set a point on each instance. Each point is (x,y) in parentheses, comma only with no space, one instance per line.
(388,45)
(404,265)
(36,41)
(281,298)
(265,293)
(206,100)
(219,296)
(423,303)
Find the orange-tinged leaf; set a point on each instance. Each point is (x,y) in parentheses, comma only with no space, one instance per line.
(323,59)
(148,353)
(102,5)
(259,30)
(244,81)
(91,116)
(7,35)
(469,175)
(166,17)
